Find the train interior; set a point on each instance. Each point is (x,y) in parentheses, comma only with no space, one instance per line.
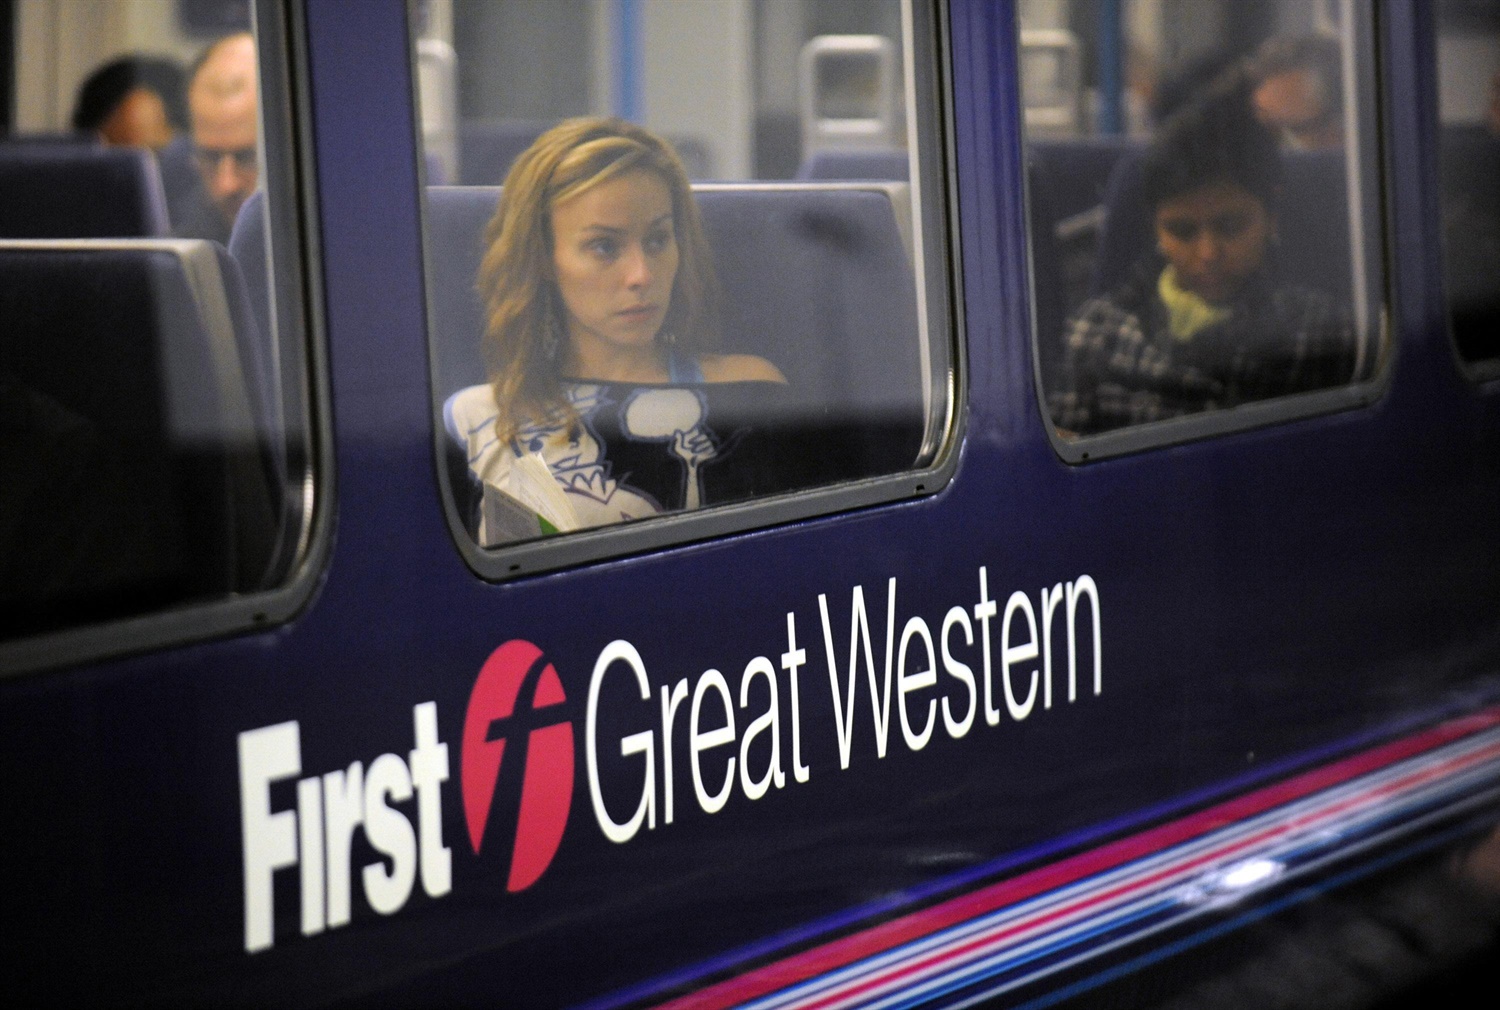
(1101,81)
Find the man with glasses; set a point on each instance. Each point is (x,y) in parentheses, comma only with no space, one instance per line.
(1298,90)
(224,107)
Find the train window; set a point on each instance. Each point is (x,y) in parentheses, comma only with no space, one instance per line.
(1469,158)
(681,259)
(1205,222)
(153,376)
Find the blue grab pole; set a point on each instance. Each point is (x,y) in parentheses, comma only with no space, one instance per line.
(1111,70)
(627,59)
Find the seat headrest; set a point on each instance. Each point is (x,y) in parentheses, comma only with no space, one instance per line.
(135,342)
(1077,170)
(835,164)
(71,190)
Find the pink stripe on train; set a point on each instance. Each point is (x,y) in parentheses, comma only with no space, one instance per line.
(841,953)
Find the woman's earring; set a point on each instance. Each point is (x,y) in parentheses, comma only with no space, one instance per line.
(551,341)
(551,331)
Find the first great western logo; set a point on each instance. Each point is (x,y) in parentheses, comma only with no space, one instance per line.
(517,785)
(731,736)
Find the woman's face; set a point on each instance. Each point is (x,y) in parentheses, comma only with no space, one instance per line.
(614,258)
(1215,237)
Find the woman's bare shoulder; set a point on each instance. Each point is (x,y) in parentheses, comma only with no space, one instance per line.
(738,368)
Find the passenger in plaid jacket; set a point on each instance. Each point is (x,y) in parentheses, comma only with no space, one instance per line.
(1204,323)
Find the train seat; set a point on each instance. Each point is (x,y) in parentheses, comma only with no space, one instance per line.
(456,220)
(51,189)
(878,165)
(1078,170)
(120,363)
(247,273)
(487,147)
(815,278)
(1067,182)
(1313,223)
(1049,287)
(179,177)
(247,247)
(1470,165)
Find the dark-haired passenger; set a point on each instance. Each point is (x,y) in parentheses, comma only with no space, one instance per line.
(600,297)
(1298,90)
(1205,322)
(133,101)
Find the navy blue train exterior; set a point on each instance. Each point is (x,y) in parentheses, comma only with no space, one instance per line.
(1271,655)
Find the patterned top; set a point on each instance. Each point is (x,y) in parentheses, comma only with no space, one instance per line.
(1121,365)
(639,450)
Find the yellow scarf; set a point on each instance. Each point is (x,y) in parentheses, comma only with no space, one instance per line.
(1187,313)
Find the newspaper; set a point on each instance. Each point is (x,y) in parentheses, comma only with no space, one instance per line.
(522,500)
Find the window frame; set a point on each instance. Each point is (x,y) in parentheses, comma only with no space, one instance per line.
(288,170)
(1280,410)
(938,270)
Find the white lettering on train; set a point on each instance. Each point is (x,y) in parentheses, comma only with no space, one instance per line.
(320,832)
(910,663)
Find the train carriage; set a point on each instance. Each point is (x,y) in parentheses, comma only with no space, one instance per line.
(940,700)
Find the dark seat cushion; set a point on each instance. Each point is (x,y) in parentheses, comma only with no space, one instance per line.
(62,190)
(112,377)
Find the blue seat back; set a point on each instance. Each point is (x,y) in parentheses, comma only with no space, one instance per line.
(1047,283)
(130,349)
(817,280)
(179,177)
(248,276)
(1077,171)
(880,166)
(456,219)
(1470,166)
(487,147)
(76,190)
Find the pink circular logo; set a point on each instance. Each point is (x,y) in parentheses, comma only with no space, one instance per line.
(514,722)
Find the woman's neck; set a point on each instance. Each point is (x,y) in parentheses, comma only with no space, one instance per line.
(601,361)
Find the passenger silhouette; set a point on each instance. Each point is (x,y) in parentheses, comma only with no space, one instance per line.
(600,295)
(133,101)
(224,108)
(1204,322)
(1298,90)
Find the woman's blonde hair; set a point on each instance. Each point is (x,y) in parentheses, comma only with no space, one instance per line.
(525,336)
